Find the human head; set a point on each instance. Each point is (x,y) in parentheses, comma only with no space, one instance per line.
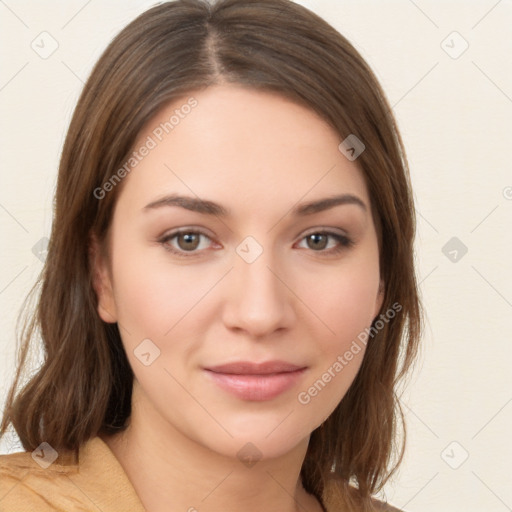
(174,48)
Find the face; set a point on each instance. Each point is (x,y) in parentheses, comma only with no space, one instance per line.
(237,315)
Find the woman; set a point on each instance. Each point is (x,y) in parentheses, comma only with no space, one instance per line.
(229,296)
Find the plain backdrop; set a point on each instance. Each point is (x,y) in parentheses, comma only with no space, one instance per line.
(447,70)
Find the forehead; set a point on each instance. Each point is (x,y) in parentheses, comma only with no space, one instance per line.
(241,147)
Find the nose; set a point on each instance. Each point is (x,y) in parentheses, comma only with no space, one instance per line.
(259,301)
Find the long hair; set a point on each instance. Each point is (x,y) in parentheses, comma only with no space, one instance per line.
(84,385)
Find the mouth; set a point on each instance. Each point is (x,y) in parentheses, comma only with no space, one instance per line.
(256,381)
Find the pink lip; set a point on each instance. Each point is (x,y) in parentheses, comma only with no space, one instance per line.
(256,381)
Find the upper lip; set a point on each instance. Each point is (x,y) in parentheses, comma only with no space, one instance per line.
(250,368)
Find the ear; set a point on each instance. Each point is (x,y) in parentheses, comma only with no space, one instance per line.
(102,281)
(379,299)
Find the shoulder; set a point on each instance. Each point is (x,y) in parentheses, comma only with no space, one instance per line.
(342,498)
(381,506)
(46,480)
(29,482)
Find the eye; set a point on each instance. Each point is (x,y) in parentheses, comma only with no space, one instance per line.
(318,241)
(191,242)
(186,241)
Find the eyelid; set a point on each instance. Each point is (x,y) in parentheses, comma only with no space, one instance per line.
(325,230)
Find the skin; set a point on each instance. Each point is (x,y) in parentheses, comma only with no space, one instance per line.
(258,154)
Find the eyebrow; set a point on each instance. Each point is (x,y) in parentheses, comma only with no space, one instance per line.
(211,208)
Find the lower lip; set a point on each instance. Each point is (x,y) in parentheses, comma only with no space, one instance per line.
(257,387)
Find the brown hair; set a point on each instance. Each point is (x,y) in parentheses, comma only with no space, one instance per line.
(85,382)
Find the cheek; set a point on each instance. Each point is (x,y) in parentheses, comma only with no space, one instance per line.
(153,295)
(332,374)
(344,299)
(345,302)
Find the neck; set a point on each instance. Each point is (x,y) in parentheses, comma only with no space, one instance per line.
(172,472)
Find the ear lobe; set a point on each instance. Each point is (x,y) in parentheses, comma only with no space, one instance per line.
(102,282)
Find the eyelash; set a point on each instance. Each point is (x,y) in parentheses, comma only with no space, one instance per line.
(343,242)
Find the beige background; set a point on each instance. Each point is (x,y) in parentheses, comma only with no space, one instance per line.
(454,109)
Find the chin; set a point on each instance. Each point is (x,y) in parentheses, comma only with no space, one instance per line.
(259,436)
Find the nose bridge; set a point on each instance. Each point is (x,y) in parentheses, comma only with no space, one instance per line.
(259,302)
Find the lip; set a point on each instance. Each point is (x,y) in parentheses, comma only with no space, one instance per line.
(250,368)
(256,381)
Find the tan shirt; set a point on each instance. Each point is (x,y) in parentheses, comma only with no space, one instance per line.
(94,483)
